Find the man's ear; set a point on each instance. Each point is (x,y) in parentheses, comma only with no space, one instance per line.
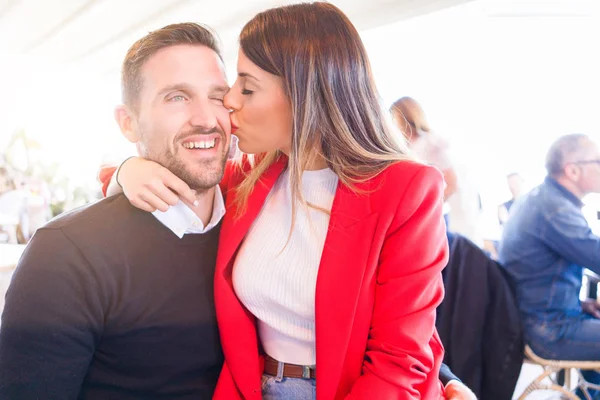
(573,172)
(125,118)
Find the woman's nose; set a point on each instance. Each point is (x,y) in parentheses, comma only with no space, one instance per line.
(230,102)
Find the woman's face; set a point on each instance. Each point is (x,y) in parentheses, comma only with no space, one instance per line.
(261,111)
(408,130)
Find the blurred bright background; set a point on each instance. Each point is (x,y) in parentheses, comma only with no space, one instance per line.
(500,79)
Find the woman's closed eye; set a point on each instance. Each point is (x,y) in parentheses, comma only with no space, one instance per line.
(247,92)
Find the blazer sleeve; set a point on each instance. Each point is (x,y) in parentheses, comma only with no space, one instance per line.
(104,176)
(404,354)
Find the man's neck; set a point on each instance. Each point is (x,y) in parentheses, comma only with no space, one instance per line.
(204,208)
(570,186)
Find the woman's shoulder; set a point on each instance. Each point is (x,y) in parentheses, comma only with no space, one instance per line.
(403,173)
(401,188)
(404,181)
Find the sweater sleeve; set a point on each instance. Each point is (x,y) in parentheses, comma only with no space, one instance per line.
(105,175)
(52,321)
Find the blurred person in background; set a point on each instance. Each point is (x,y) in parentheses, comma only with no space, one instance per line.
(516,185)
(6,180)
(426,144)
(462,206)
(546,244)
(38,205)
(14,217)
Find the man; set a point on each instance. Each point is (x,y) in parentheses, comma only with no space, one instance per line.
(516,186)
(110,302)
(545,246)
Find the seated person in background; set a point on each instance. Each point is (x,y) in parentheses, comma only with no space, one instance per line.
(546,244)
(430,147)
(461,199)
(516,187)
(13,208)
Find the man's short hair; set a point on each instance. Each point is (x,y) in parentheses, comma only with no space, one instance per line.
(171,35)
(563,151)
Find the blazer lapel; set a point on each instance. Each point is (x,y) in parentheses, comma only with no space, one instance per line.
(341,272)
(234,230)
(236,324)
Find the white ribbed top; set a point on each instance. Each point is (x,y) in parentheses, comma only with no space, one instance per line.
(277,282)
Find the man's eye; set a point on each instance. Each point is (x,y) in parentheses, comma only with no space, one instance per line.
(177,98)
(218,100)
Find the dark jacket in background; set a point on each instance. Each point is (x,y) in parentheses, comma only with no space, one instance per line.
(479,322)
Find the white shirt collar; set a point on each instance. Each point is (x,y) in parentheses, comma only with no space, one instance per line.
(181,219)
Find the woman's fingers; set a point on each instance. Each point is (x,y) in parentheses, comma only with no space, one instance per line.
(178,186)
(162,191)
(153,200)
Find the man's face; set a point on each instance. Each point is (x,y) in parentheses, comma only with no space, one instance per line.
(589,165)
(515,184)
(181,122)
(4,184)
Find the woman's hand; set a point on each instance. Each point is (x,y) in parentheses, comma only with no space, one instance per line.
(456,390)
(150,186)
(591,307)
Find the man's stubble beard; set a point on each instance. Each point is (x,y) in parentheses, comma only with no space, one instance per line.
(206,179)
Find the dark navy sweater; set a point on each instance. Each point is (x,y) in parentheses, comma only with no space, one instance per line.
(108,303)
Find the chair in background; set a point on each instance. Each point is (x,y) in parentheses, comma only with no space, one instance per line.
(551,368)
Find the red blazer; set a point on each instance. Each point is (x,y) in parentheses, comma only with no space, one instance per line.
(378,287)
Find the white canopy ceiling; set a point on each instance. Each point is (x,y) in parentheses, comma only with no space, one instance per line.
(93,35)
(482,69)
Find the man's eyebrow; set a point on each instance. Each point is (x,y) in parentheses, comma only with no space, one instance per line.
(220,89)
(176,86)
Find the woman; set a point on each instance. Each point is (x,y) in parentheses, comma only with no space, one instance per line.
(333,241)
(410,119)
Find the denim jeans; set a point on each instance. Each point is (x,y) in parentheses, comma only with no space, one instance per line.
(570,339)
(288,388)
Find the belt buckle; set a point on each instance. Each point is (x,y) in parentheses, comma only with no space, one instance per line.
(306,372)
(280,367)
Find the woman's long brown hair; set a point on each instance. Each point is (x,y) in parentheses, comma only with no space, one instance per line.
(337,112)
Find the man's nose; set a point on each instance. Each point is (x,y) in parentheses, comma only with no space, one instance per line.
(203,115)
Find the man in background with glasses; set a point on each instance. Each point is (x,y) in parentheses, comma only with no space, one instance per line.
(546,244)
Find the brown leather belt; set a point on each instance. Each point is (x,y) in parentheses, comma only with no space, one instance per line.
(289,370)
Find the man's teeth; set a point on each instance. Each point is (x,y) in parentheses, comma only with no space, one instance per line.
(204,144)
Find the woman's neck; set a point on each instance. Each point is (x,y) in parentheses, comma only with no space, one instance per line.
(315,163)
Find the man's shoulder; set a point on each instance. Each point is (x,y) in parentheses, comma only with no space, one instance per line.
(538,209)
(550,200)
(96,220)
(98,232)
